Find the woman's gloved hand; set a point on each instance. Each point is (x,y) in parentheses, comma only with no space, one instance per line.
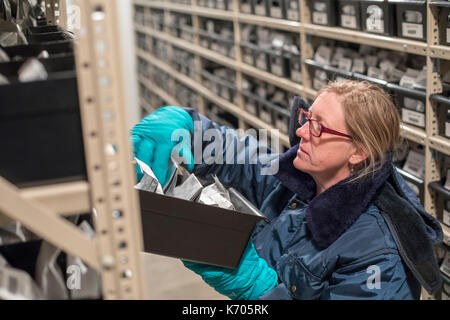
(152,140)
(250,280)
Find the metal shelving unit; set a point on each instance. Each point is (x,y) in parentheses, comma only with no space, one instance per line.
(431,49)
(108,192)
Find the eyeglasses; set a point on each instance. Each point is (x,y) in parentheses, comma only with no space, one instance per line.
(315,127)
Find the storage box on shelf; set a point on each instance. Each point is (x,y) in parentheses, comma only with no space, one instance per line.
(292,10)
(180,26)
(378,16)
(261,7)
(349,14)
(323,12)
(217,35)
(409,160)
(157,19)
(185,96)
(220,80)
(277,8)
(47,115)
(246,6)
(183,61)
(411,18)
(443,114)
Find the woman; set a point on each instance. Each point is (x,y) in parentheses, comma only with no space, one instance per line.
(343,223)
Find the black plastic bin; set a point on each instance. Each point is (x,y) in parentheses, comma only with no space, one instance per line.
(261,7)
(295,66)
(281,119)
(292,10)
(416,184)
(277,9)
(404,98)
(42,141)
(262,58)
(279,63)
(443,114)
(246,6)
(251,103)
(378,16)
(323,12)
(411,19)
(444,20)
(443,195)
(349,14)
(247,52)
(49,36)
(198,233)
(224,5)
(32,50)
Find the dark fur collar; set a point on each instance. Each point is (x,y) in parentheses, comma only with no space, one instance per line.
(332,212)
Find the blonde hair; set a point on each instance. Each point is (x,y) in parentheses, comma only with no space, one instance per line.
(371,119)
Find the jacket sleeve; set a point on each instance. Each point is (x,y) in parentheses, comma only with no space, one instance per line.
(238,162)
(381,277)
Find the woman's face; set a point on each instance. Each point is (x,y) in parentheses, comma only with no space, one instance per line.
(327,155)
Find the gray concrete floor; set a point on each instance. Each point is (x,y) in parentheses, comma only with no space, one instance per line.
(168,279)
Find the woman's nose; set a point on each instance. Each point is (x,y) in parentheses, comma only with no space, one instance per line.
(303,131)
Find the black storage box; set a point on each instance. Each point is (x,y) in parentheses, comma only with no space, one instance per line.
(224,4)
(323,12)
(247,50)
(349,14)
(411,19)
(281,119)
(416,184)
(42,141)
(261,7)
(277,9)
(262,58)
(194,232)
(412,103)
(279,63)
(32,50)
(246,6)
(295,66)
(292,10)
(250,103)
(378,16)
(443,195)
(443,114)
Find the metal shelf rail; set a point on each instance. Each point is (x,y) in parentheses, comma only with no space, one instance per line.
(109,192)
(431,49)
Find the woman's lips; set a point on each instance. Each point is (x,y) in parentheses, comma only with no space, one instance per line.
(300,151)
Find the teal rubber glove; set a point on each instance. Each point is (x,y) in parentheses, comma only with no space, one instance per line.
(250,280)
(152,141)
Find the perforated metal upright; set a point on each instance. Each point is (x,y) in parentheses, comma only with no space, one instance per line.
(109,191)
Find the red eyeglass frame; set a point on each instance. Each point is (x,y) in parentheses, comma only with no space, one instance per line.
(323,128)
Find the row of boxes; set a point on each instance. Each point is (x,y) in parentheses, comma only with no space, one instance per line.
(268,103)
(218,36)
(281,9)
(272,51)
(402,18)
(220,80)
(47,115)
(397,73)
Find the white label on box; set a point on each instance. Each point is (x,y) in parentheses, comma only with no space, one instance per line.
(265,116)
(412,30)
(248,59)
(414,104)
(320,18)
(296,76)
(348,21)
(413,117)
(447,129)
(358,66)
(375,25)
(345,64)
(261,62)
(323,54)
(407,81)
(445,267)
(292,14)
(260,10)
(446,217)
(276,12)
(245,8)
(250,108)
(276,69)
(415,164)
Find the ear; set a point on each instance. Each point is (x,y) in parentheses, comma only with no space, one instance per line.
(358,157)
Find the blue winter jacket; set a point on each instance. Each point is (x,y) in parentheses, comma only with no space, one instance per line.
(373,240)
